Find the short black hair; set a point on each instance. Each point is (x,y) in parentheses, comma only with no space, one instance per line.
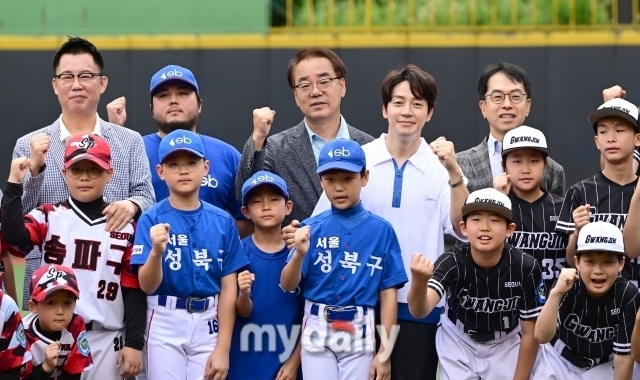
(465,217)
(619,256)
(75,46)
(504,158)
(334,171)
(422,85)
(516,73)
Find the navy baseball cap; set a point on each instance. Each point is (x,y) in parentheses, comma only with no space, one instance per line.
(181,140)
(173,72)
(263,178)
(342,154)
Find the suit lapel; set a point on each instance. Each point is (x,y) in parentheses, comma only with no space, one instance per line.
(57,147)
(302,147)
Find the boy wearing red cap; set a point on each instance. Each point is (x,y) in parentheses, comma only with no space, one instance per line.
(72,233)
(55,333)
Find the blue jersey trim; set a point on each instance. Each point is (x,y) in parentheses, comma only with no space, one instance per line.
(405,315)
(397,183)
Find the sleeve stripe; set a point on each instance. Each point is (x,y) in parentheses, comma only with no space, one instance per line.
(437,286)
(621,345)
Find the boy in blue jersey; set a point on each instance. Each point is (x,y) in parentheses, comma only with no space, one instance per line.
(262,305)
(187,252)
(354,260)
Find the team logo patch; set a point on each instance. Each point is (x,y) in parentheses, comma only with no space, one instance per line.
(137,250)
(20,336)
(83,344)
(541,292)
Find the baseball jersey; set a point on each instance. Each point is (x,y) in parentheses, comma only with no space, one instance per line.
(609,202)
(493,299)
(353,255)
(14,349)
(595,327)
(203,247)
(74,356)
(100,259)
(535,233)
(275,311)
(217,187)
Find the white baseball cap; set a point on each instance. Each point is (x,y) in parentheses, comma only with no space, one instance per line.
(616,107)
(600,237)
(524,137)
(488,199)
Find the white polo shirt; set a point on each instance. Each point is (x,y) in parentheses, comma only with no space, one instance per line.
(414,198)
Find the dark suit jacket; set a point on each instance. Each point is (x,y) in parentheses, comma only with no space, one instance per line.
(476,167)
(289,155)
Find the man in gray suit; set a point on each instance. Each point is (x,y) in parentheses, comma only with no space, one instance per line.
(317,77)
(505,101)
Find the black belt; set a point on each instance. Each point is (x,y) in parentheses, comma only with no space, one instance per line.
(338,313)
(580,361)
(93,326)
(482,336)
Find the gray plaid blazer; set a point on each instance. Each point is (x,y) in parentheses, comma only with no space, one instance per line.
(131,176)
(476,167)
(289,155)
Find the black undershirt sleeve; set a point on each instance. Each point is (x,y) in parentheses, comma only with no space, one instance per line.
(12,374)
(135,317)
(14,231)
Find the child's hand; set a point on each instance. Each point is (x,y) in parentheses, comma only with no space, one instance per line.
(289,232)
(301,240)
(51,357)
(131,361)
(245,279)
(581,217)
(567,277)
(217,366)
(502,183)
(421,268)
(19,168)
(289,370)
(380,370)
(159,237)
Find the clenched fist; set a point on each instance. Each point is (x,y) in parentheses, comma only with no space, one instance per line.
(502,183)
(245,279)
(18,171)
(289,233)
(262,120)
(446,153)
(117,111)
(568,276)
(301,240)
(613,93)
(51,357)
(39,146)
(159,237)
(421,268)
(581,217)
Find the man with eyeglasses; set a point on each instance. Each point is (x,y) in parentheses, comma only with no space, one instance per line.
(78,83)
(505,101)
(317,77)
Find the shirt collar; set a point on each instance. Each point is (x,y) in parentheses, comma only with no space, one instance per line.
(64,132)
(380,154)
(493,144)
(343,132)
(350,212)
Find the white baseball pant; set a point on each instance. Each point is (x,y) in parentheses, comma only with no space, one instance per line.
(552,366)
(328,353)
(178,343)
(105,348)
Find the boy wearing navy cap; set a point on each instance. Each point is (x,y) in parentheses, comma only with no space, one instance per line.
(188,253)
(491,296)
(345,258)
(586,324)
(262,302)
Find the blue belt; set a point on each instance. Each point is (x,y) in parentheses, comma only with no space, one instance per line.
(338,313)
(190,304)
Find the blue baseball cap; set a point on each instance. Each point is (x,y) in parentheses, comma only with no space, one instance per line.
(172,72)
(263,178)
(341,154)
(181,140)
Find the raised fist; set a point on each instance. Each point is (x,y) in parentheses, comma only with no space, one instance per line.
(262,120)
(568,276)
(581,217)
(159,235)
(421,268)
(502,183)
(117,111)
(39,146)
(245,279)
(19,167)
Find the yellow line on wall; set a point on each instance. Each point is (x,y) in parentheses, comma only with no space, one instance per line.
(333,40)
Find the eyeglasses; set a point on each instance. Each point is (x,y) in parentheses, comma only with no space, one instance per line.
(515,96)
(175,167)
(83,78)
(307,87)
(76,172)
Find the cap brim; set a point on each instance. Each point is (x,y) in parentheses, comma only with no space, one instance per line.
(246,192)
(172,79)
(192,151)
(340,165)
(543,150)
(43,295)
(500,210)
(599,114)
(587,250)
(87,157)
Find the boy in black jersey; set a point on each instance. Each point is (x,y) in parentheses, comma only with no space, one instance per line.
(535,210)
(588,318)
(491,296)
(606,196)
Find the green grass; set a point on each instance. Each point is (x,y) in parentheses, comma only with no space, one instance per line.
(461,11)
